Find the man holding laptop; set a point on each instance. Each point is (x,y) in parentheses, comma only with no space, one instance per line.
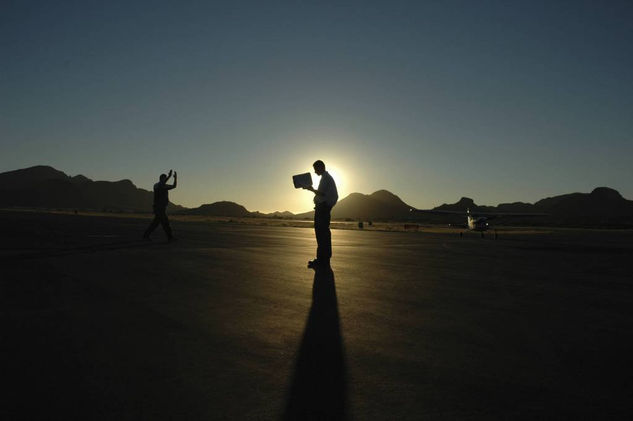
(325,197)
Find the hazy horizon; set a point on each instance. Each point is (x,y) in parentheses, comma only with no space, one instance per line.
(499,102)
(316,178)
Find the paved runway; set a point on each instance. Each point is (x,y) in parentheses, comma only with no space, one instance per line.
(228,323)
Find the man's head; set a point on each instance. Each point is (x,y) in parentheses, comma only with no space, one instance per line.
(319,167)
(163,178)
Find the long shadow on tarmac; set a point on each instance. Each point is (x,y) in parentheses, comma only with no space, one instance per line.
(319,386)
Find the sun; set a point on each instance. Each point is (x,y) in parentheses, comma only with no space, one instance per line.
(337,174)
(304,202)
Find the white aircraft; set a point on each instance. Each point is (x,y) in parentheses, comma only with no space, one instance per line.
(475,222)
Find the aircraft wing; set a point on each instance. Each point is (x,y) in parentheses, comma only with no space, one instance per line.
(497,214)
(462,226)
(475,213)
(437,212)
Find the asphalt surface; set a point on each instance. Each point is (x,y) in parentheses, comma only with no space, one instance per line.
(228,323)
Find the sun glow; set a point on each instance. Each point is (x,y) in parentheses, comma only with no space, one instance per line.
(339,178)
(305,203)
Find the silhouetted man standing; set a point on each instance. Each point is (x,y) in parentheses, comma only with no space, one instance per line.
(161,200)
(325,197)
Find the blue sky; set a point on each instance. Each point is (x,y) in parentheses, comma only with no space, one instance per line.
(500,101)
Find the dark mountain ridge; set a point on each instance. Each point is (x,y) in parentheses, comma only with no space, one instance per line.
(603,207)
(381,204)
(222,208)
(45,187)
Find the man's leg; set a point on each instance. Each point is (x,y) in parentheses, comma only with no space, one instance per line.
(318,229)
(165,223)
(322,232)
(328,234)
(152,226)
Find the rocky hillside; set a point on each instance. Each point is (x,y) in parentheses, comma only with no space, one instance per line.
(46,187)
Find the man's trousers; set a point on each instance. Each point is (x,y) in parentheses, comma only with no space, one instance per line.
(322,231)
(160,217)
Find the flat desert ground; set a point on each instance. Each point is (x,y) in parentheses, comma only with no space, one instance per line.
(228,323)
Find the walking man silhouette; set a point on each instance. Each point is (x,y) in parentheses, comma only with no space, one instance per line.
(161,200)
(325,197)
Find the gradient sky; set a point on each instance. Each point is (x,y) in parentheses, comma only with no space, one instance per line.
(500,101)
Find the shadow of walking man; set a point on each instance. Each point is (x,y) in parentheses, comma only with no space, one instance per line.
(319,390)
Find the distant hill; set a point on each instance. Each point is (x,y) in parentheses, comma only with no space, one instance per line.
(378,205)
(223,208)
(284,214)
(45,187)
(603,207)
(305,215)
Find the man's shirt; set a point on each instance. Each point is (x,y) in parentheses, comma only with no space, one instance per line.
(161,195)
(327,186)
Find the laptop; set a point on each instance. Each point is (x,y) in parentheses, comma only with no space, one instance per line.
(302,180)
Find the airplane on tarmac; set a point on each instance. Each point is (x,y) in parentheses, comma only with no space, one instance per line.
(475,222)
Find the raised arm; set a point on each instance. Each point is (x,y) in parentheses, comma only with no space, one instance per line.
(173,186)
